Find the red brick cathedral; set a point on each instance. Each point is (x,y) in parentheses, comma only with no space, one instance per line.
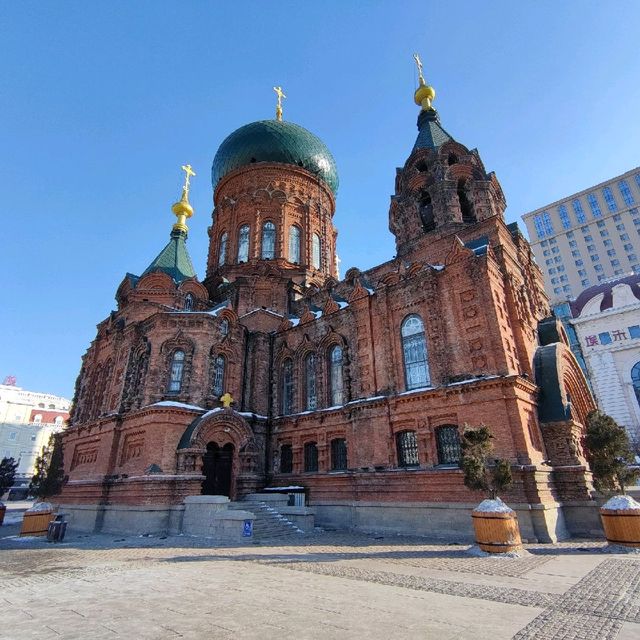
(272,371)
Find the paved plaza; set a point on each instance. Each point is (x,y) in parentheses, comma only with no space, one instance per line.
(329,585)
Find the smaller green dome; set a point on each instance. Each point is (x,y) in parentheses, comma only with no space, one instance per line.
(275,141)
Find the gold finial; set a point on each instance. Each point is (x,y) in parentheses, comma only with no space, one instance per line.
(280,95)
(226,399)
(424,94)
(182,209)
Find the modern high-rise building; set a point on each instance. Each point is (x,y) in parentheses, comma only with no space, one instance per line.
(588,237)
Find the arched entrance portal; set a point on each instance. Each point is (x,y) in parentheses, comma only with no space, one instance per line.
(217,466)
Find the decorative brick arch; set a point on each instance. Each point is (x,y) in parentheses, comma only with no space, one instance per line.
(223,427)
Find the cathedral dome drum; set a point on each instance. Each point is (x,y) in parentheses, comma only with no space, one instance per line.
(275,141)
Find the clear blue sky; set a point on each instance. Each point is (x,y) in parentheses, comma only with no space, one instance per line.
(101,102)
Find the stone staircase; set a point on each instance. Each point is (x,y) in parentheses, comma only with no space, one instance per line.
(269,524)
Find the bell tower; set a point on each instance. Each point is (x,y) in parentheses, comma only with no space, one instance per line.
(443,186)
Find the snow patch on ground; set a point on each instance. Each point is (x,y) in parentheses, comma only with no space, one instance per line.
(477,552)
(621,503)
(493,506)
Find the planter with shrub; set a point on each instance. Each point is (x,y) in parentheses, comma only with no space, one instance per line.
(610,458)
(495,524)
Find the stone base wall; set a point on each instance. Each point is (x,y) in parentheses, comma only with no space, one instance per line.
(124,519)
(447,521)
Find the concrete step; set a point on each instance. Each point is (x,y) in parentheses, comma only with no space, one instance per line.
(268,523)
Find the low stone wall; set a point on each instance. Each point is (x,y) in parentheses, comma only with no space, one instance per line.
(443,521)
(124,519)
(206,516)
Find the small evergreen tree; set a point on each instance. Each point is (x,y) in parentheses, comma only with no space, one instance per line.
(481,471)
(8,468)
(49,469)
(609,453)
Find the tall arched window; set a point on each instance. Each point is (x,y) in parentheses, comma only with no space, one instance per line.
(294,244)
(218,376)
(310,380)
(407,449)
(336,379)
(635,380)
(222,252)
(224,327)
(243,243)
(177,369)
(287,387)
(448,444)
(268,241)
(188,302)
(414,351)
(310,456)
(315,251)
(58,420)
(466,208)
(38,418)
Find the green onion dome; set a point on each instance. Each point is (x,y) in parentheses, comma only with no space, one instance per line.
(275,141)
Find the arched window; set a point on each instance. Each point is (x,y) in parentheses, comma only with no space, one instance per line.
(336,379)
(635,380)
(243,243)
(268,241)
(177,369)
(311,402)
(286,458)
(37,418)
(426,212)
(58,420)
(448,444)
(414,351)
(224,327)
(466,208)
(218,376)
(338,454)
(407,449)
(315,251)
(188,302)
(41,405)
(310,456)
(287,387)
(294,244)
(222,251)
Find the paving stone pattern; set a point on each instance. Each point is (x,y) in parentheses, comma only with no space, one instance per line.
(356,586)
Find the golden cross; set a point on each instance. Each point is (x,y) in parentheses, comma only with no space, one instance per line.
(188,173)
(226,400)
(280,95)
(416,57)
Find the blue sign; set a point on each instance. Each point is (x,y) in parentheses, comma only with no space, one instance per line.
(247,529)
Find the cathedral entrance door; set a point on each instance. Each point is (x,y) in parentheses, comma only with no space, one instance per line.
(217,464)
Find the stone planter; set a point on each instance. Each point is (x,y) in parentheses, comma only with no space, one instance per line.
(496,527)
(621,521)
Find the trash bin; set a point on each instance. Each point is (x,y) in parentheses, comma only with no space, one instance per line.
(57,528)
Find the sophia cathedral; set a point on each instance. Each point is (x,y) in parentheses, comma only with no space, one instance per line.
(274,372)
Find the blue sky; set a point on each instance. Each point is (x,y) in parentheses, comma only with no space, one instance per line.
(101,102)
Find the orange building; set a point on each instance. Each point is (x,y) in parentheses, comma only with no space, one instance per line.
(273,372)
